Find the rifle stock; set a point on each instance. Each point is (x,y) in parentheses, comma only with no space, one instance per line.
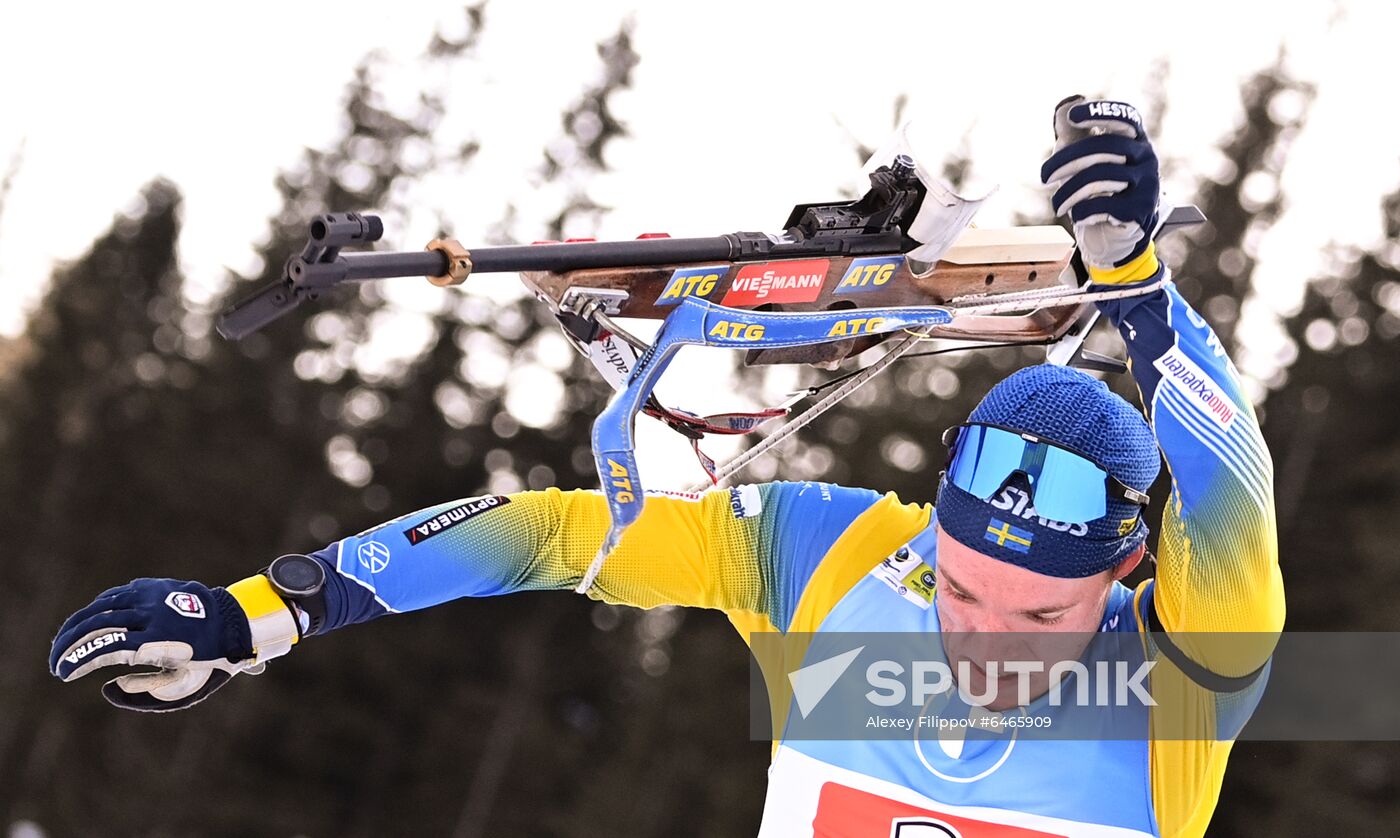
(989,262)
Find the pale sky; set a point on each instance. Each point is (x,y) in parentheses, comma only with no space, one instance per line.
(739,110)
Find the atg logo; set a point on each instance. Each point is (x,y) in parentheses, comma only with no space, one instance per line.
(621,482)
(735,330)
(856,326)
(691,282)
(869,274)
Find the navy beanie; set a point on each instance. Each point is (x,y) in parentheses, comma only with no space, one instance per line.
(1078,411)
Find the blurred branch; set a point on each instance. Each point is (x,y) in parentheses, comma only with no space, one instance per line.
(1243,199)
(447,46)
(589,125)
(862,149)
(1155,102)
(11,171)
(958,165)
(1296,465)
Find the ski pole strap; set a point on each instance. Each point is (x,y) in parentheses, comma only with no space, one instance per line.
(697,322)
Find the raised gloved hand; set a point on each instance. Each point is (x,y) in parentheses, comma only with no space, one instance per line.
(185,639)
(1106,180)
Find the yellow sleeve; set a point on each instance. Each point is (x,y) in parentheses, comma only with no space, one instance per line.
(754,552)
(1218,591)
(747,551)
(1219,595)
(679,552)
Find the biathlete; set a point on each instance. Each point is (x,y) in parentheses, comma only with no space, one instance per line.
(1037,518)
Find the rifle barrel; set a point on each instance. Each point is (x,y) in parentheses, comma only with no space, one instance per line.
(565,256)
(386,264)
(569,256)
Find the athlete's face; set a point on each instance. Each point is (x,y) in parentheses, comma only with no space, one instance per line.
(990,610)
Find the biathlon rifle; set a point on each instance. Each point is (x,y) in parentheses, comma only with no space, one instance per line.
(901,262)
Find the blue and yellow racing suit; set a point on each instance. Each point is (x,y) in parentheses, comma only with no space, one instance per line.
(808,557)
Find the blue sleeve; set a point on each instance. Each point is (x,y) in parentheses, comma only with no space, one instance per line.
(748,548)
(1217,556)
(806,520)
(1200,413)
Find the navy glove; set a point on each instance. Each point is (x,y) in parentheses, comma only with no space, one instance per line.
(189,638)
(1105,177)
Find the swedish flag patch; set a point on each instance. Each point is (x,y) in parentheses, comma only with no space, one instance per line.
(1006,535)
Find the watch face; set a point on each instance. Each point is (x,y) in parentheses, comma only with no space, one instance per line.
(297,575)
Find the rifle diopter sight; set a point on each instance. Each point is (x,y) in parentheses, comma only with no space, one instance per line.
(880,219)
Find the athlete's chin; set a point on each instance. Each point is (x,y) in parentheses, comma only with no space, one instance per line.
(1007,699)
(1008,692)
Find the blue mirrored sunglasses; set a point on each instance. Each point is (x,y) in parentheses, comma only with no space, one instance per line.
(1065,484)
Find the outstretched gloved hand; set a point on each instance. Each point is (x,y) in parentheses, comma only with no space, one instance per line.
(1105,176)
(184,640)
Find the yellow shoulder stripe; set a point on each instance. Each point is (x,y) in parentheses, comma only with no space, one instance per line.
(875,534)
(878,532)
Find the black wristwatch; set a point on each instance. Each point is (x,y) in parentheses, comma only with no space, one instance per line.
(299,580)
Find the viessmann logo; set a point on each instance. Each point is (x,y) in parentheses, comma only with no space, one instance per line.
(778,282)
